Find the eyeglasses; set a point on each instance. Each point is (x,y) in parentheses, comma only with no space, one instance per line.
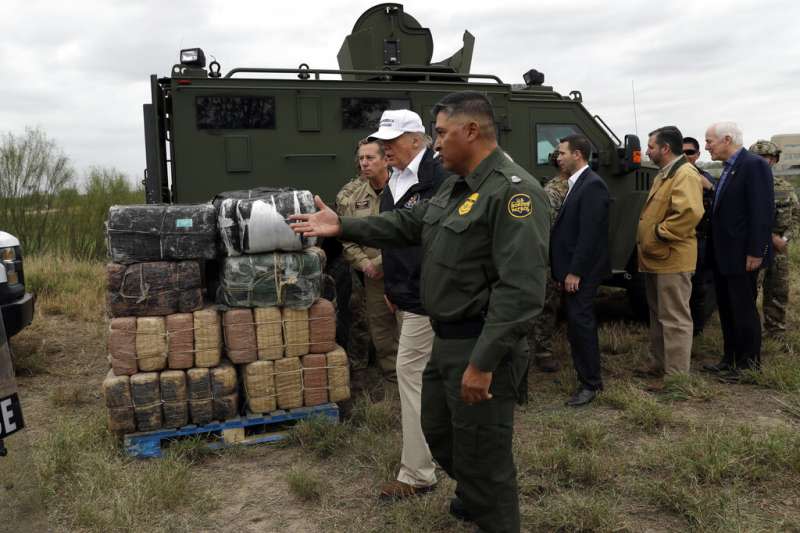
(690,152)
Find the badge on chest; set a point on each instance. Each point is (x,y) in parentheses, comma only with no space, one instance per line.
(362,204)
(466,207)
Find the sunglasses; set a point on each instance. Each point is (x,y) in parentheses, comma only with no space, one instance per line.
(690,152)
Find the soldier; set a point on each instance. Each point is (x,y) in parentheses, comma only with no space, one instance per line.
(775,278)
(540,337)
(484,235)
(360,198)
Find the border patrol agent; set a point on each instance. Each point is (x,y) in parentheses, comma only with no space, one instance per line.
(484,236)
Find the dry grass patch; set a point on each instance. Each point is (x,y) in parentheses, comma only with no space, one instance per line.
(66,286)
(638,408)
(577,512)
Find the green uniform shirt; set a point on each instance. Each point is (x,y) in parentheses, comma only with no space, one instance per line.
(484,240)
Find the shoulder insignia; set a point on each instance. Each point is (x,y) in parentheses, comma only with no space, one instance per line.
(466,207)
(515,179)
(520,206)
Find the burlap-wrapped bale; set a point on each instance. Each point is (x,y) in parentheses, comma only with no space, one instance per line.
(138,233)
(225,391)
(198,383)
(180,340)
(338,375)
(240,336)
(269,332)
(117,392)
(146,394)
(207,338)
(154,289)
(174,398)
(322,327)
(315,379)
(295,331)
(289,383)
(122,346)
(259,386)
(268,280)
(256,221)
(151,343)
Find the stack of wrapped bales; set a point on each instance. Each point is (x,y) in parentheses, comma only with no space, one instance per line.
(180,354)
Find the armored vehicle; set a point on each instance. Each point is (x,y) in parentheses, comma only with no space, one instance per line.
(207,131)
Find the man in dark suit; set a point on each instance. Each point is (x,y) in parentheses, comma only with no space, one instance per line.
(739,245)
(579,260)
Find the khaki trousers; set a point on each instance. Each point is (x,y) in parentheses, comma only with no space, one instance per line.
(383,327)
(670,320)
(414,352)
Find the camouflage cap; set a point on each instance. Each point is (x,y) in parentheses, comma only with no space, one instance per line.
(763,147)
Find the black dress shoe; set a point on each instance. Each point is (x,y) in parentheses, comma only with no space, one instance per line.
(458,510)
(582,397)
(732,375)
(717,368)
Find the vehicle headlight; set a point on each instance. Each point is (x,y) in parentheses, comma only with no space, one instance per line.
(8,254)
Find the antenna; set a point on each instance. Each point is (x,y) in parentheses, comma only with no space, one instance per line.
(635,121)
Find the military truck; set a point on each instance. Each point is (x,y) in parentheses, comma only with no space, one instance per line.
(207,131)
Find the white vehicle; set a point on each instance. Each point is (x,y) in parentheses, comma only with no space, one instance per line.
(15,302)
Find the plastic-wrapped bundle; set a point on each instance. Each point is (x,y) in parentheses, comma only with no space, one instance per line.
(338,375)
(122,346)
(146,395)
(198,383)
(224,391)
(207,338)
(117,392)
(173,396)
(269,333)
(268,280)
(289,383)
(151,343)
(322,327)
(240,335)
(259,386)
(180,337)
(154,289)
(138,233)
(255,221)
(315,379)
(295,331)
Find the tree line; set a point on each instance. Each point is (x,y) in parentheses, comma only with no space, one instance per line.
(46,207)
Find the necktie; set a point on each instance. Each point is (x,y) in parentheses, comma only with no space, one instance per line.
(722,180)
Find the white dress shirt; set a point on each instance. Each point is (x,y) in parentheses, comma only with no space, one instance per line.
(402,180)
(574,178)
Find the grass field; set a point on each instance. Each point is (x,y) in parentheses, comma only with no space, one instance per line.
(700,456)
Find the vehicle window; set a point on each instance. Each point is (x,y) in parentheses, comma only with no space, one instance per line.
(235,112)
(547,136)
(364,113)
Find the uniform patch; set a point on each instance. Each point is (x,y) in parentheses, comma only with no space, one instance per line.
(466,207)
(411,202)
(520,206)
(362,204)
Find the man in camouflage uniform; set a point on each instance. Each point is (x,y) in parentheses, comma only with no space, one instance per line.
(372,319)
(775,278)
(540,336)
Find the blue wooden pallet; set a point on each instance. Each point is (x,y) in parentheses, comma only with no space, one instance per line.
(250,429)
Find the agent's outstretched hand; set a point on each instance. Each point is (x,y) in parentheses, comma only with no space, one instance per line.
(323,223)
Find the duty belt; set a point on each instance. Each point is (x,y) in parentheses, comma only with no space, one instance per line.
(464,329)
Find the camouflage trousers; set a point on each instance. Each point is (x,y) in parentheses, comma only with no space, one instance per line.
(359,342)
(540,334)
(775,282)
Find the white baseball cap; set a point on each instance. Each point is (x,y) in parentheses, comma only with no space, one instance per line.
(396,122)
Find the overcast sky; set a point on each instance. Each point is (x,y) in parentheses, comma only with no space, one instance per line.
(80,70)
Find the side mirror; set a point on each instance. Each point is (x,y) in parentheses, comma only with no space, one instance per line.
(630,154)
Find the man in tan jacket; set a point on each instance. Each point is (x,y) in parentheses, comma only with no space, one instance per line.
(360,198)
(668,251)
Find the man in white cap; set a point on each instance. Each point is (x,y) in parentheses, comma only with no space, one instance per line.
(415,177)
